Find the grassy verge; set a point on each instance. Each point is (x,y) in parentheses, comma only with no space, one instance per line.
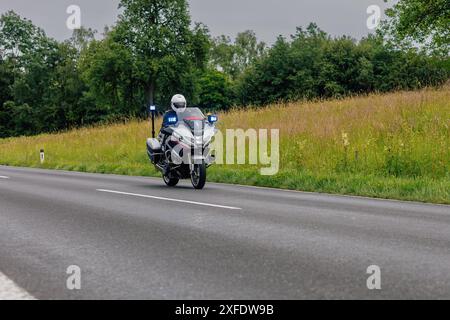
(390,146)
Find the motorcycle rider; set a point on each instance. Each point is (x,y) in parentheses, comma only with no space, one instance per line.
(178,104)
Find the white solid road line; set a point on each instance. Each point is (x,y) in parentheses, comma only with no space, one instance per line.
(4,177)
(169,199)
(10,291)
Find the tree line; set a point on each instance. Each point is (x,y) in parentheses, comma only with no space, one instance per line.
(46,85)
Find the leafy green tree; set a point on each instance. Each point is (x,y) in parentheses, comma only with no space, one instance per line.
(81,38)
(289,71)
(62,106)
(267,79)
(45,88)
(6,80)
(23,42)
(234,58)
(7,75)
(421,21)
(314,65)
(200,46)
(305,58)
(108,69)
(157,32)
(33,56)
(215,91)
(247,49)
(222,55)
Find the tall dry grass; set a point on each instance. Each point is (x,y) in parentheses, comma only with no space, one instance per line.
(401,134)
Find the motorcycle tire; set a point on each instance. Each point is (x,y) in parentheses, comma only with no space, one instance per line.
(198,176)
(170,182)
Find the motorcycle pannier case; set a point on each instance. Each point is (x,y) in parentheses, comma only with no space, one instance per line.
(154,150)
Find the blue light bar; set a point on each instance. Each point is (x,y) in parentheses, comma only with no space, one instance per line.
(172,120)
(212,119)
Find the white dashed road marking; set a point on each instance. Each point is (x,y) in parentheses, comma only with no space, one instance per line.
(169,199)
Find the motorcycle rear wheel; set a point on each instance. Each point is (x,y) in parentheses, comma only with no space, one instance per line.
(170,182)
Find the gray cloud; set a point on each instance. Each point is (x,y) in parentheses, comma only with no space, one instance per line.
(267,18)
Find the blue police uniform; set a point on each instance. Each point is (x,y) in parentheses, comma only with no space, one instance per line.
(167,115)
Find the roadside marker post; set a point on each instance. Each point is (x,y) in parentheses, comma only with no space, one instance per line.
(42,156)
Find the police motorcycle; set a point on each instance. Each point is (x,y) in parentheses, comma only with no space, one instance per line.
(182,148)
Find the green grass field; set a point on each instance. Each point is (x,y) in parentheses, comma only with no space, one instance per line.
(390,146)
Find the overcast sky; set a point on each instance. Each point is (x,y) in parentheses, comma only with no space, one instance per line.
(268,18)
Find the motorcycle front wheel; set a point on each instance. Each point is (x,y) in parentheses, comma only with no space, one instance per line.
(198,176)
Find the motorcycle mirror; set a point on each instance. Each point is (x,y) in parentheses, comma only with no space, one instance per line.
(212,119)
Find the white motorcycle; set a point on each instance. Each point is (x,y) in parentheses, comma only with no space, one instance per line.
(182,149)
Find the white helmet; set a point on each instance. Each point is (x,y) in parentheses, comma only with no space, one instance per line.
(178,103)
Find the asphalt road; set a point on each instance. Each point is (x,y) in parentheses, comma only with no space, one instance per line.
(133,238)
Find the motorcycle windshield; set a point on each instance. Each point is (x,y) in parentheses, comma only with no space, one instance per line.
(195,120)
(191,114)
(196,126)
